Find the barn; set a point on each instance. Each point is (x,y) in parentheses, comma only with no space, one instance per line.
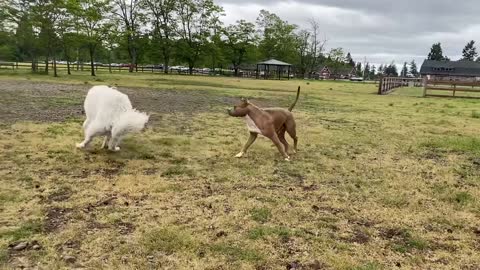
(462,70)
(345,72)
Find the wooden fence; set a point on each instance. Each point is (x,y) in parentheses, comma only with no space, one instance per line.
(389,84)
(433,88)
(40,67)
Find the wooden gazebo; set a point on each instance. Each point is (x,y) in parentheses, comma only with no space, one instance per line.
(279,68)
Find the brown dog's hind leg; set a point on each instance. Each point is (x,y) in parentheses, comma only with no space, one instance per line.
(291,130)
(281,137)
(251,140)
(280,147)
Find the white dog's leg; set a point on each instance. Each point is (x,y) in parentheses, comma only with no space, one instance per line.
(85,124)
(85,142)
(114,142)
(106,141)
(91,131)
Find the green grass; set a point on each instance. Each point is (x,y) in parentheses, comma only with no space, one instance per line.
(168,241)
(379,182)
(23,232)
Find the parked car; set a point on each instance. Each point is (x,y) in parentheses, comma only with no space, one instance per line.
(174,68)
(154,66)
(356,79)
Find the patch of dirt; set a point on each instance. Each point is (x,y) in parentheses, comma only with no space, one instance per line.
(359,237)
(60,195)
(56,218)
(125,227)
(391,233)
(315,265)
(101,203)
(95,226)
(50,102)
(150,171)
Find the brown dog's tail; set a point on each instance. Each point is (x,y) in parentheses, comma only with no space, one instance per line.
(295,102)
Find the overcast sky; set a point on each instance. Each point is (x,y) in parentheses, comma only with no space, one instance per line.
(380,30)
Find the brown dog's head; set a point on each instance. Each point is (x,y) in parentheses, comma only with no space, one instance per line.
(239,110)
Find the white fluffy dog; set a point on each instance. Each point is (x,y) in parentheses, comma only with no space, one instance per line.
(110,114)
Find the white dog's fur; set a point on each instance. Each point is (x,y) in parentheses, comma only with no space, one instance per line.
(110,114)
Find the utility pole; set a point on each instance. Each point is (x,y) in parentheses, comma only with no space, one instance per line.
(364,67)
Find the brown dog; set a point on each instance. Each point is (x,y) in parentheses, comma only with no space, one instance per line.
(270,122)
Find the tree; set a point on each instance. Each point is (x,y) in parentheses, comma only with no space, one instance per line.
(92,23)
(373,72)
(240,38)
(164,27)
(366,72)
(469,53)
(317,45)
(381,70)
(404,71)
(349,60)
(279,38)
(130,16)
(19,14)
(436,53)
(198,19)
(413,69)
(391,70)
(359,69)
(46,16)
(310,49)
(337,59)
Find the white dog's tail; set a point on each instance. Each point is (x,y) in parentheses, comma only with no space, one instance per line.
(130,122)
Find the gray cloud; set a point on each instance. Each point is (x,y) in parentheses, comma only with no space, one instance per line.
(380,30)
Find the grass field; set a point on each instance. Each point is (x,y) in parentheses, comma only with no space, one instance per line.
(380,182)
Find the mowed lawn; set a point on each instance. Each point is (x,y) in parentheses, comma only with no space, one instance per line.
(379,182)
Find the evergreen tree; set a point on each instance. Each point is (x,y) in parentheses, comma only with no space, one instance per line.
(436,53)
(366,72)
(469,53)
(373,71)
(404,70)
(391,70)
(349,60)
(413,69)
(381,70)
(359,69)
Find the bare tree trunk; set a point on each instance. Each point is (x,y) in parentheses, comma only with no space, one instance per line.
(46,64)
(78,58)
(109,61)
(68,67)
(132,55)
(55,74)
(34,68)
(92,66)
(166,60)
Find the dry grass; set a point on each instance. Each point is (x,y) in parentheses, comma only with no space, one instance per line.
(380,182)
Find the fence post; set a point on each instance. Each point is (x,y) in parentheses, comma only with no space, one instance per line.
(380,84)
(425,86)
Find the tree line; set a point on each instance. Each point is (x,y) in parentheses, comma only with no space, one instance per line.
(166,32)
(469,53)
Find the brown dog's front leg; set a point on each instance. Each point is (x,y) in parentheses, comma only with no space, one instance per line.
(251,140)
